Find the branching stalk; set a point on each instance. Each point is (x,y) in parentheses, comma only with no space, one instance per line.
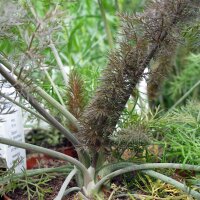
(72,189)
(19,88)
(42,93)
(113,167)
(59,62)
(23,107)
(64,169)
(143,167)
(54,87)
(84,156)
(49,152)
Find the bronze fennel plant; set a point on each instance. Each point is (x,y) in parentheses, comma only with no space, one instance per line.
(145,37)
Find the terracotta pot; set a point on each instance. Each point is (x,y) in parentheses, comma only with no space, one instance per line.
(70,151)
(6,198)
(33,159)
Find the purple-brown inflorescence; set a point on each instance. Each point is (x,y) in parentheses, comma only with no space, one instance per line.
(76,100)
(144,37)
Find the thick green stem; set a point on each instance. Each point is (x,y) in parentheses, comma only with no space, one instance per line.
(64,169)
(59,62)
(42,93)
(82,154)
(54,87)
(143,167)
(49,152)
(173,182)
(112,167)
(73,189)
(65,184)
(19,88)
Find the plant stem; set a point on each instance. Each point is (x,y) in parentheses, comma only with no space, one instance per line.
(185,95)
(52,46)
(72,189)
(112,167)
(65,184)
(49,152)
(34,172)
(82,154)
(23,107)
(107,27)
(32,9)
(19,88)
(54,87)
(173,182)
(42,93)
(59,62)
(143,167)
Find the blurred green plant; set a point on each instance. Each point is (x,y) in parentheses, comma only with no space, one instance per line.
(186,78)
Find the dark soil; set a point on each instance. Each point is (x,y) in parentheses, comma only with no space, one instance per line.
(54,184)
(38,137)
